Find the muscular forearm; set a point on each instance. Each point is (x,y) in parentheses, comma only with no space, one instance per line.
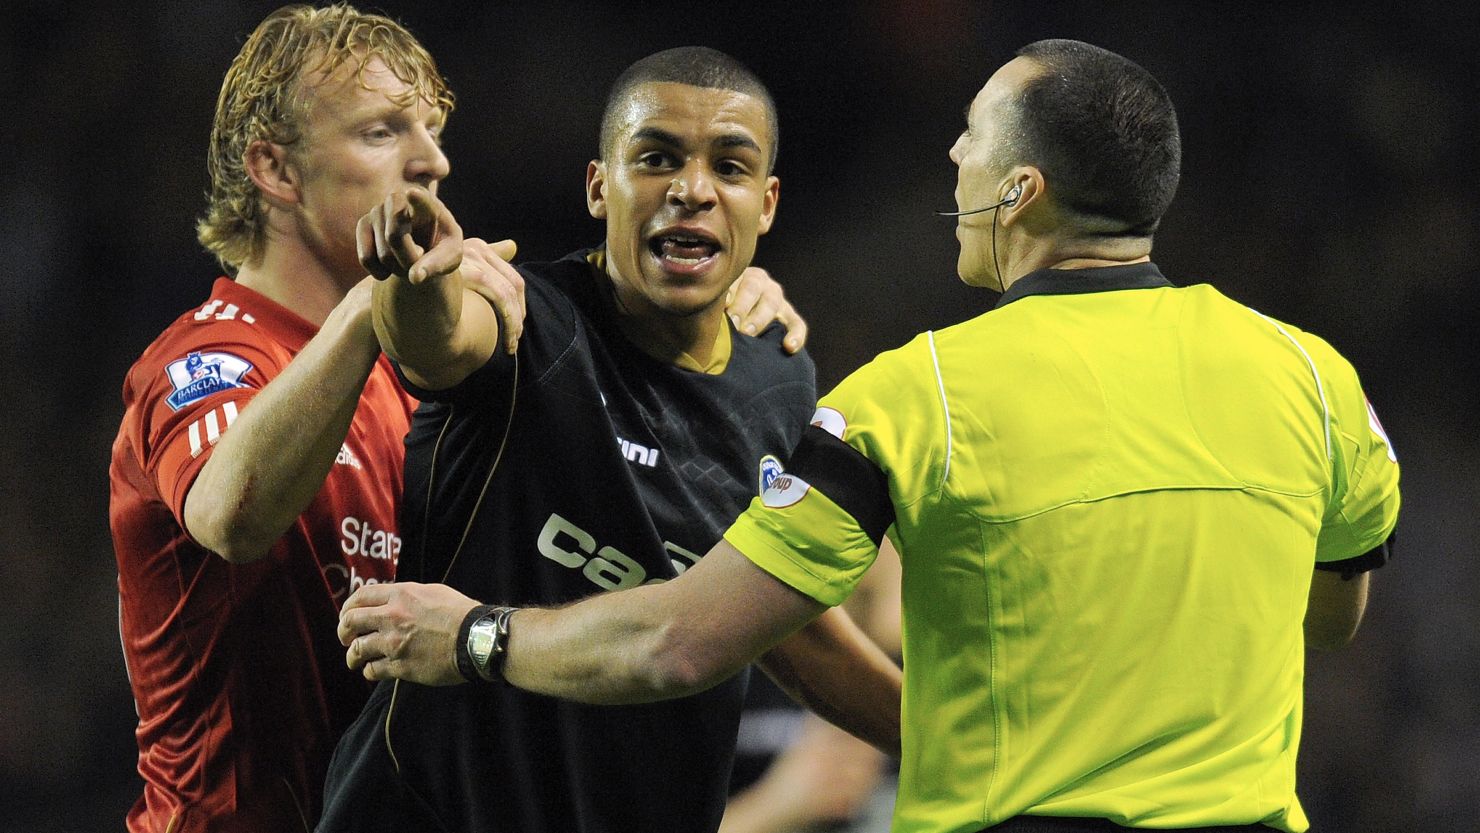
(438,331)
(831,667)
(267,468)
(634,646)
(607,650)
(657,641)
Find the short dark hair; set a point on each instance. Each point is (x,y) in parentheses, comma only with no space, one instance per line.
(1104,132)
(696,66)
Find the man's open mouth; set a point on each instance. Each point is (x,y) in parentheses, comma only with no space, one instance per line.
(683,249)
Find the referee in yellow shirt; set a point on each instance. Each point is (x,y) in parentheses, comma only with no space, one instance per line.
(1123,508)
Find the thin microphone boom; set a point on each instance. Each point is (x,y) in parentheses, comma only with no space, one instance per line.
(1010,200)
(972,211)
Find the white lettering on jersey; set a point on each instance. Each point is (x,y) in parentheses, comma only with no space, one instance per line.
(347,457)
(344,580)
(607,567)
(675,552)
(358,537)
(640,454)
(209,311)
(213,428)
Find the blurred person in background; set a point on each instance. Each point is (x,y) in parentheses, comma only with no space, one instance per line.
(1123,508)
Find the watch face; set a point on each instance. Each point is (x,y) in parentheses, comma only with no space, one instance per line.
(480,642)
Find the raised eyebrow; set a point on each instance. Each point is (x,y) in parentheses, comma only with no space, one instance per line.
(966,115)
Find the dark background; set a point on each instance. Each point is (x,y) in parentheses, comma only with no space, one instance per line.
(1329,180)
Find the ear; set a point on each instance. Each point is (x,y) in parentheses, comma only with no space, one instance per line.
(1031,188)
(596,188)
(768,204)
(269,169)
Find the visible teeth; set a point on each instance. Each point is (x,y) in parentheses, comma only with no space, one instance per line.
(686,249)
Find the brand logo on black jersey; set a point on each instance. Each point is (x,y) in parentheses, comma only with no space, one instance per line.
(605,566)
(637,453)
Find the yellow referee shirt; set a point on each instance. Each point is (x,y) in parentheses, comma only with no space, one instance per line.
(1108,494)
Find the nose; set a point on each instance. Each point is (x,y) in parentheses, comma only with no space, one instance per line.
(427,163)
(955,152)
(693,188)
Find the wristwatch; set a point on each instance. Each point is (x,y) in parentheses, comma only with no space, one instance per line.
(487,635)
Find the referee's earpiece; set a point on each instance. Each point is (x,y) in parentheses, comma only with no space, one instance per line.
(1010,199)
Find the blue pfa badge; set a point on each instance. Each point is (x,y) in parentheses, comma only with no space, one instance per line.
(199,375)
(770,470)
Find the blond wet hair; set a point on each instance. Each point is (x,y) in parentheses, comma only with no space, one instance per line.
(264,97)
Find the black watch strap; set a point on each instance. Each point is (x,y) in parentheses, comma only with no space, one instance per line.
(465,665)
(499,651)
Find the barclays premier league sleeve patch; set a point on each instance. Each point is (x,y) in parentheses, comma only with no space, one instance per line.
(199,375)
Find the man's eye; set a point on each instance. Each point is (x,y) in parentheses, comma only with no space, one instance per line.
(654,160)
(730,169)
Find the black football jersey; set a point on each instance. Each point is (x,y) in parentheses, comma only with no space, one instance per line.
(581,465)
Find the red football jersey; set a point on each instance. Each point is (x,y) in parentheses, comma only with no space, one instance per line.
(238,677)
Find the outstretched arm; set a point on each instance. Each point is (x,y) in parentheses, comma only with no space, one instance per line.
(425,318)
(653,642)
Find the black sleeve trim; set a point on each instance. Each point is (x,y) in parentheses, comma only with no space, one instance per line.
(1350,568)
(464,390)
(848,478)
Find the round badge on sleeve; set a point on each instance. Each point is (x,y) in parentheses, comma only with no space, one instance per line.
(770,470)
(785,490)
(831,421)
